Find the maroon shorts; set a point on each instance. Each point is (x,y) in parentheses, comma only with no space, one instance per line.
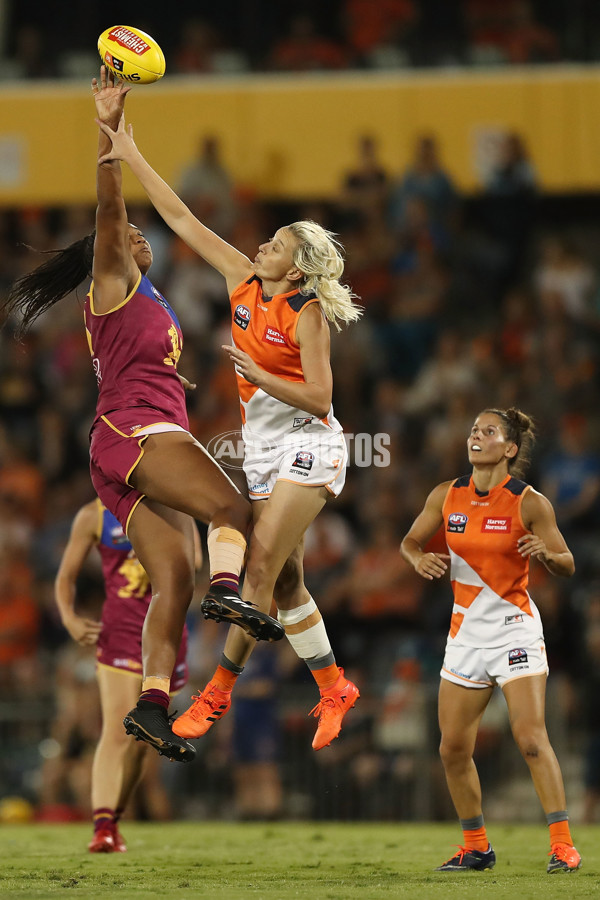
(114,453)
(120,642)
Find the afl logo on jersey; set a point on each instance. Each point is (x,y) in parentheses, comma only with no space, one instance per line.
(517,656)
(304,460)
(241,316)
(118,537)
(159,298)
(457,523)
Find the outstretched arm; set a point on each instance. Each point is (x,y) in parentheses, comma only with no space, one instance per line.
(232,264)
(114,270)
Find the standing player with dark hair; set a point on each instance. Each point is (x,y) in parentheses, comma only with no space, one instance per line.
(146,467)
(118,759)
(494,524)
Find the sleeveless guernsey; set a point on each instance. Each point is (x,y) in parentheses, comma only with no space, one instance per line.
(135,349)
(265,329)
(489,577)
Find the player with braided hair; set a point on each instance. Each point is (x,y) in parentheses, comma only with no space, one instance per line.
(494,524)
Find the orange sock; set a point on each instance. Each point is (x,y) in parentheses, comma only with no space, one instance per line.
(476,839)
(224,679)
(327,677)
(560,833)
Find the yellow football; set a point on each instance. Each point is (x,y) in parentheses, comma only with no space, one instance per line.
(131,54)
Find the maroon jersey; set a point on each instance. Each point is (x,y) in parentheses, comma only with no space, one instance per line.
(124,577)
(128,596)
(135,350)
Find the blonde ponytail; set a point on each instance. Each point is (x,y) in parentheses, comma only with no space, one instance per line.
(319,258)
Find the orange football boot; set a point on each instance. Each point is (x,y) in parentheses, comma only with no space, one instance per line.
(208,707)
(331,709)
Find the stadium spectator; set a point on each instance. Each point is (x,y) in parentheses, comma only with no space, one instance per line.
(207,187)
(527,41)
(365,186)
(256,740)
(570,477)
(303,49)
(29,58)
(565,282)
(425,179)
(508,204)
(368,25)
(507,33)
(198,44)
(19,624)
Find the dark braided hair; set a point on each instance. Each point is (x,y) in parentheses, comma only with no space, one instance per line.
(520,429)
(34,293)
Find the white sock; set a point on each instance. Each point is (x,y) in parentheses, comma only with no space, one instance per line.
(305,630)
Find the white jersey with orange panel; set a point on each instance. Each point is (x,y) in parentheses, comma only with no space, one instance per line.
(281,441)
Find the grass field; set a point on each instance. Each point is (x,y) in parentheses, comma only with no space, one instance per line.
(320,861)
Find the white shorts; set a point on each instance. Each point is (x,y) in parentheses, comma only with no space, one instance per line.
(481,668)
(314,460)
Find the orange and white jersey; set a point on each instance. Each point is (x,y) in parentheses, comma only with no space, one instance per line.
(265,329)
(489,577)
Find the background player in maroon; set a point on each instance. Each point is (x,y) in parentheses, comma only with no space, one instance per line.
(118,760)
(145,465)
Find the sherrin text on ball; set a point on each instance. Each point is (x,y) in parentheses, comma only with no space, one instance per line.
(131,54)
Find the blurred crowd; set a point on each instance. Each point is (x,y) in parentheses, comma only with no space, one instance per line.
(308,35)
(492,300)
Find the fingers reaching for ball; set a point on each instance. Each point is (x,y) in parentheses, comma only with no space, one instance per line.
(108,81)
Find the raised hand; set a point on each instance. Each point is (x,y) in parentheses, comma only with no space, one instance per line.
(109,96)
(121,140)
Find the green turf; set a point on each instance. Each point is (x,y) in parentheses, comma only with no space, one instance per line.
(316,861)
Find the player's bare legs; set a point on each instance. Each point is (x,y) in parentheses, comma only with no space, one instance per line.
(279,527)
(178,472)
(274,569)
(163,542)
(288,587)
(526,701)
(118,759)
(460,710)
